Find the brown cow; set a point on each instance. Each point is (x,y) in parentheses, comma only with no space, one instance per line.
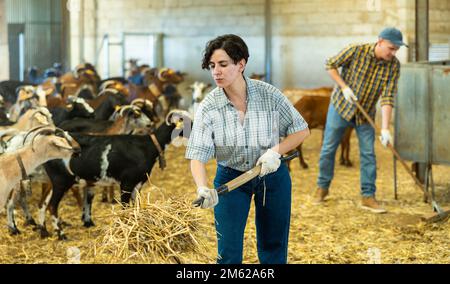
(260,77)
(294,94)
(314,109)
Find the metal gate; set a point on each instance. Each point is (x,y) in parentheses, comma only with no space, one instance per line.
(422,115)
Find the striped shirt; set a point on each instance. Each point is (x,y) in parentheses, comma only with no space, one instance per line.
(368,77)
(217,131)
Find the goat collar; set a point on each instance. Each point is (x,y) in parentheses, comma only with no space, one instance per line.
(161,159)
(22,167)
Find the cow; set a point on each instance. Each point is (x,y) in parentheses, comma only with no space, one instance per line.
(314,109)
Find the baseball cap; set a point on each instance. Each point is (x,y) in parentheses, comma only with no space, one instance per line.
(393,35)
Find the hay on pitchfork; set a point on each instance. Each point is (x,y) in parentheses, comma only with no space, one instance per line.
(166,231)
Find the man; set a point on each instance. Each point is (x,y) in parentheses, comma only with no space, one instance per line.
(369,71)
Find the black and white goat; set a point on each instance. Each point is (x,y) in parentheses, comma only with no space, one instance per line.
(76,107)
(126,159)
(124,121)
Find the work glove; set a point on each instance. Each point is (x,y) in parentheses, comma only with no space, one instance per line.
(270,161)
(385,137)
(349,95)
(210,197)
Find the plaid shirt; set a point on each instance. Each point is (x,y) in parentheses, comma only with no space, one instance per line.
(368,77)
(217,131)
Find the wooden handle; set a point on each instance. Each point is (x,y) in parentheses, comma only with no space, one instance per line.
(236,182)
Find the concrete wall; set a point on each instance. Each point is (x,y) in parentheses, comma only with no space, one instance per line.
(4,59)
(439,18)
(305,32)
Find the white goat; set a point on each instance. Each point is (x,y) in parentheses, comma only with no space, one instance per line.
(198,90)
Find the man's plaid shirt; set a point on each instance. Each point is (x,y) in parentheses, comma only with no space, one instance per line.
(217,131)
(368,77)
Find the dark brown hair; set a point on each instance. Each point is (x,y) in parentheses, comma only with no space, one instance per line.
(233,45)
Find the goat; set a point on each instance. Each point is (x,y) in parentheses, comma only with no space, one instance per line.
(127,159)
(30,119)
(8,91)
(106,103)
(14,144)
(76,107)
(198,89)
(127,118)
(15,165)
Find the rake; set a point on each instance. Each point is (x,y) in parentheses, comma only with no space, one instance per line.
(440,214)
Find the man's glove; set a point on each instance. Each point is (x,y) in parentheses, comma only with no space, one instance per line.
(210,197)
(270,161)
(349,95)
(385,137)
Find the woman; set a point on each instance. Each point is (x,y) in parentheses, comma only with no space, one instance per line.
(240,124)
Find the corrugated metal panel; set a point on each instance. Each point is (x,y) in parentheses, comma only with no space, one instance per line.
(440,114)
(411,113)
(43,27)
(14,11)
(422,113)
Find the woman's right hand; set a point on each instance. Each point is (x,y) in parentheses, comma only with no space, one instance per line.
(209,195)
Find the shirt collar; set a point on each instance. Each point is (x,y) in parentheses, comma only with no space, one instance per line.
(372,50)
(252,94)
(372,53)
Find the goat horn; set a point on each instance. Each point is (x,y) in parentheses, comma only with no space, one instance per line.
(46,130)
(33,130)
(135,101)
(123,108)
(177,111)
(106,83)
(107,90)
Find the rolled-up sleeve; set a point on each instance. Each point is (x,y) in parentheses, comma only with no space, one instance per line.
(391,88)
(341,59)
(201,145)
(290,119)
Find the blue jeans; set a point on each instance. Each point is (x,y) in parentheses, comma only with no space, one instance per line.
(272,218)
(334,129)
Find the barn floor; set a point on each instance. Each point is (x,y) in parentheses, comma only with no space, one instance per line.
(337,232)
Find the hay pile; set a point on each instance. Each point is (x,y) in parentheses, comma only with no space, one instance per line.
(167,231)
